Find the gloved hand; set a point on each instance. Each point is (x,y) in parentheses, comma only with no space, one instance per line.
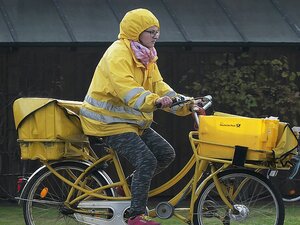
(164,102)
(196,107)
(198,110)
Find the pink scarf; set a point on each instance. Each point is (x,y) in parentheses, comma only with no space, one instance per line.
(142,53)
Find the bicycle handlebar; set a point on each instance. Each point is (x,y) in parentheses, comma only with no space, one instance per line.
(205,102)
(176,101)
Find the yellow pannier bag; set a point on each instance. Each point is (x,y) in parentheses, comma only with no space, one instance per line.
(286,145)
(265,139)
(48,129)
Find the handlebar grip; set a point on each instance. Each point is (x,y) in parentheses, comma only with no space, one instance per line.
(208,97)
(207,105)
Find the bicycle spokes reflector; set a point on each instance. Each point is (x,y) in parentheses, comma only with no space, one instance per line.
(44,192)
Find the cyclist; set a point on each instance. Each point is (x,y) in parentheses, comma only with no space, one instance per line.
(123,94)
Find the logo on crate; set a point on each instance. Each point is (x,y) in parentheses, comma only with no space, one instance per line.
(222,124)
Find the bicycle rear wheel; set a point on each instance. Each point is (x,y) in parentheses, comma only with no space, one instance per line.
(254,198)
(45,194)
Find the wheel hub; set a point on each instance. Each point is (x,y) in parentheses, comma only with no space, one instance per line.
(240,212)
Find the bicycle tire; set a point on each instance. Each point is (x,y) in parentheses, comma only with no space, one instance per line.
(288,188)
(257,199)
(50,209)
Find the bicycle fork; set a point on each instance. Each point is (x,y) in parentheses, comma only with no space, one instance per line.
(228,194)
(222,191)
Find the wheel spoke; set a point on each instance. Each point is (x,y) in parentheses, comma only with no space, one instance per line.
(251,195)
(45,195)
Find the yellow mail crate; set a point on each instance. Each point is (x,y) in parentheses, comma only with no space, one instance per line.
(219,135)
(46,129)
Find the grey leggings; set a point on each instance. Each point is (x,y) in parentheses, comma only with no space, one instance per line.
(149,154)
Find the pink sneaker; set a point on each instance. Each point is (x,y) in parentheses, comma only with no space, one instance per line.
(141,220)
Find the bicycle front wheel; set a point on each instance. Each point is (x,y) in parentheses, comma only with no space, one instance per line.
(253,197)
(45,194)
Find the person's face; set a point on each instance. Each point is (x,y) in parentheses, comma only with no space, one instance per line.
(149,36)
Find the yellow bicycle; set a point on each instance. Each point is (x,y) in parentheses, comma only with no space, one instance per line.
(77,185)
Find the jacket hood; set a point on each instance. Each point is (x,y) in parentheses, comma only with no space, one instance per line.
(135,22)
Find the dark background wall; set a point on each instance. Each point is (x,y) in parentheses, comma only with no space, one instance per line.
(65,73)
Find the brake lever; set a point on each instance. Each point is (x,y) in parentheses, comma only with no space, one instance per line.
(207,102)
(175,102)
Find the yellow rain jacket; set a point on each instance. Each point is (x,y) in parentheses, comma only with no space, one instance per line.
(121,97)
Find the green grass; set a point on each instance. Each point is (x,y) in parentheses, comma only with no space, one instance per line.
(11,214)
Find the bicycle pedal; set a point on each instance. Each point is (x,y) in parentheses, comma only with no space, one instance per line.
(117,208)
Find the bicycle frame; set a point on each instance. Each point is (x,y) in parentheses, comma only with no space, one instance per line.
(80,192)
(192,187)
